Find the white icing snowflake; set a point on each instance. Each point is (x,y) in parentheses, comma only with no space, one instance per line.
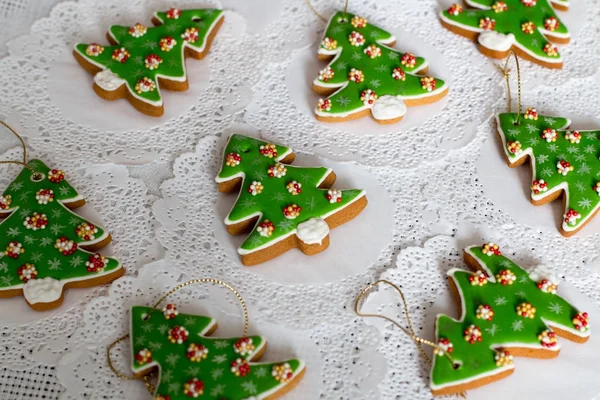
(513,132)
(46,241)
(29,239)
(393,56)
(381,68)
(54,265)
(76,261)
(584,169)
(375,35)
(580,186)
(546,172)
(147,328)
(535,42)
(493,330)
(285,225)
(162,329)
(57,229)
(24,213)
(542,158)
(553,147)
(521,294)
(155,345)
(221,344)
(247,203)
(220,358)
(140,340)
(375,83)
(166,376)
(343,101)
(311,204)
(531,128)
(336,29)
(218,390)
(217,373)
(3,267)
(255,241)
(550,120)
(6,280)
(356,56)
(590,149)
(75,221)
(534,141)
(14,231)
(580,157)
(572,149)
(555,308)
(506,263)
(586,204)
(517,325)
(172,359)
(174,388)
(24,195)
(16,186)
(342,65)
(524,279)
(36,257)
(260,372)
(64,190)
(190,321)
(279,196)
(192,371)
(590,135)
(249,387)
(261,176)
(562,156)
(57,213)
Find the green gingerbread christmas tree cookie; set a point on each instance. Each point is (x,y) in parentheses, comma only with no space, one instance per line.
(143,58)
(505,312)
(525,26)
(282,206)
(43,243)
(192,365)
(563,162)
(368,77)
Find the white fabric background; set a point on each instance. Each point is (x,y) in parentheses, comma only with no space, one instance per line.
(432,172)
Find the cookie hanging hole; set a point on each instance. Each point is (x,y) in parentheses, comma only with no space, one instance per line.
(456,366)
(37,177)
(196,19)
(145,317)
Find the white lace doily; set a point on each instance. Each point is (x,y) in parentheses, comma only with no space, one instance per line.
(431,171)
(120,204)
(32,70)
(84,372)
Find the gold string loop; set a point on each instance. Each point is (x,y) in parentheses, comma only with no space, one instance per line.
(506,72)
(148,377)
(36,175)
(322,18)
(410,331)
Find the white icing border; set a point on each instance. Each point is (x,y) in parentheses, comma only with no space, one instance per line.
(242,175)
(183,78)
(553,60)
(492,346)
(213,322)
(542,195)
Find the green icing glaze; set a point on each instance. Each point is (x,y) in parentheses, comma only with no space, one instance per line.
(506,329)
(377,71)
(583,156)
(173,61)
(176,369)
(269,204)
(39,244)
(510,22)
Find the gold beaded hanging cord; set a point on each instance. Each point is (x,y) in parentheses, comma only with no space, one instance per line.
(322,18)
(147,379)
(36,176)
(506,72)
